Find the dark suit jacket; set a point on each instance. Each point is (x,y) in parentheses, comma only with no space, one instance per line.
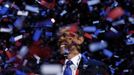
(91,67)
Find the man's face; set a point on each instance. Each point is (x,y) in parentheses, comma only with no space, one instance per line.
(67,42)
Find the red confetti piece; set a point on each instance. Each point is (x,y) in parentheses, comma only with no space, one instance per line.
(47,4)
(131,32)
(116,13)
(89,36)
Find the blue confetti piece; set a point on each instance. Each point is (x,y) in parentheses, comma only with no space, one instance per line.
(130,41)
(3,11)
(37,35)
(115,4)
(6,65)
(12,39)
(63,13)
(61,2)
(11,60)
(32,8)
(103,13)
(20,72)
(89,28)
(90,8)
(93,2)
(108,53)
(119,62)
(96,46)
(48,34)
(43,13)
(112,70)
(47,23)
(18,23)
(97,32)
(127,13)
(22,31)
(131,20)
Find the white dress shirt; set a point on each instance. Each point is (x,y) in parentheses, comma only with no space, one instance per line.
(74,66)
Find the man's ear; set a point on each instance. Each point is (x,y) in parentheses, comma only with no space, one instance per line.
(79,40)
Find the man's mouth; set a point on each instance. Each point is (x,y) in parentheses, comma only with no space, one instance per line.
(64,49)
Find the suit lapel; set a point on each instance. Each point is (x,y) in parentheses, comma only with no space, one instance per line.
(78,72)
(82,65)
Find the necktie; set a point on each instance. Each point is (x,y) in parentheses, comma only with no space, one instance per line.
(68,70)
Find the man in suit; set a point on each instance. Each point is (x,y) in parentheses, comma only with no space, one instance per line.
(77,63)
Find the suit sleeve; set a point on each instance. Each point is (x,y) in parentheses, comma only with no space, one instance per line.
(94,67)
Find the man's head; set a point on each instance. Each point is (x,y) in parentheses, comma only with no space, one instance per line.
(69,41)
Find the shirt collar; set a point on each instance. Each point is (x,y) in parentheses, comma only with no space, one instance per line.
(76,60)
